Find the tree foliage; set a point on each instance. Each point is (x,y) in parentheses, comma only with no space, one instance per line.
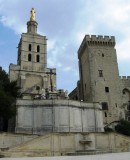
(8,94)
(108,129)
(123,127)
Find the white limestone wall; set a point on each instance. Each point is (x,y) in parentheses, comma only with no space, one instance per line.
(39,116)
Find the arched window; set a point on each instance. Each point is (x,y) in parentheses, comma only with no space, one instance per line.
(37,58)
(38,48)
(29,57)
(29,47)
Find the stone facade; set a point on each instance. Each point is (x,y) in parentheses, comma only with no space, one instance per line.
(40,116)
(99,78)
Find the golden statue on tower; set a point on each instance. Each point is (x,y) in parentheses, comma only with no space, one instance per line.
(32,14)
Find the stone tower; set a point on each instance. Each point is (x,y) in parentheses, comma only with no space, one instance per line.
(31,72)
(99,76)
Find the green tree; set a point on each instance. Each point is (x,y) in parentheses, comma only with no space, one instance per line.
(123,127)
(8,94)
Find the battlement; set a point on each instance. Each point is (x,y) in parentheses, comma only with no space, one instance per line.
(93,40)
(125,77)
(100,40)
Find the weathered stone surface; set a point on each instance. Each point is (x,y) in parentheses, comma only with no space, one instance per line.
(39,116)
(59,144)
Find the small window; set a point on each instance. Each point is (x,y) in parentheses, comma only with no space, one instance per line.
(104,106)
(37,58)
(30,47)
(38,48)
(105,114)
(29,57)
(107,89)
(102,55)
(100,73)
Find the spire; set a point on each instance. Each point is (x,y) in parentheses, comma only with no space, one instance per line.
(32,24)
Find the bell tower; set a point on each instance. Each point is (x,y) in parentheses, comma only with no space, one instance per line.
(31,71)
(32,48)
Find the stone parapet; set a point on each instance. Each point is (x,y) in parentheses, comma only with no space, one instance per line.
(99,38)
(55,102)
(125,77)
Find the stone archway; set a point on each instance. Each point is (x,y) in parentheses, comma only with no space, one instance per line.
(126,95)
(126,101)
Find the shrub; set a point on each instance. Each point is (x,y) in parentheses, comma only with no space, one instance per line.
(123,127)
(107,129)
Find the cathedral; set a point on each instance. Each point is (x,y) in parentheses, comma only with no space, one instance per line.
(31,72)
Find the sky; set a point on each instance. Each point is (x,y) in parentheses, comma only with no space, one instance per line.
(65,23)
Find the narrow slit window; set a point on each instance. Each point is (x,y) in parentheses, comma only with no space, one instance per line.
(105,114)
(30,47)
(38,58)
(29,57)
(38,48)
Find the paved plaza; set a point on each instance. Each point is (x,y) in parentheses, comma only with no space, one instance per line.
(111,156)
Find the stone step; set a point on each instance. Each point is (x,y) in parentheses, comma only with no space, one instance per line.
(89,152)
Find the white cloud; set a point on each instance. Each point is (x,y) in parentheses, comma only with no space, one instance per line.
(123,50)
(51,44)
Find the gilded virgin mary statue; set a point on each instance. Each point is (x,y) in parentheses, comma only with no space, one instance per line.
(32,14)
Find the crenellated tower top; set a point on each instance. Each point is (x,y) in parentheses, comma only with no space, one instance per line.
(101,41)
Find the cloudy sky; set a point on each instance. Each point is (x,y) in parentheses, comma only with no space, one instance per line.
(65,22)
